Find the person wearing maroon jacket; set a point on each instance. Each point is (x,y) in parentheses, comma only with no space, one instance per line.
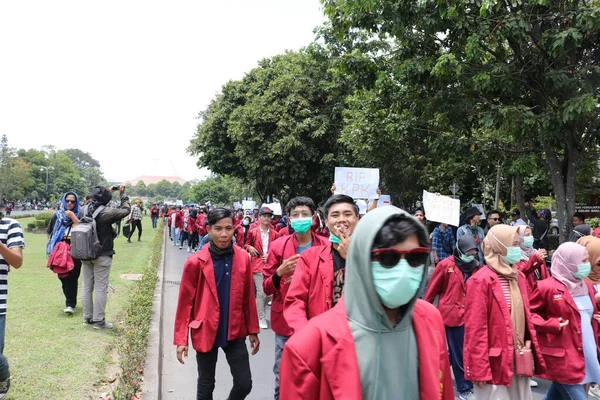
(239,217)
(449,282)
(216,303)
(168,216)
(281,263)
(192,232)
(241,231)
(319,278)
(257,244)
(178,224)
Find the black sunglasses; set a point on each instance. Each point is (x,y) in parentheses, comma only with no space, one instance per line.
(495,219)
(391,257)
(70,201)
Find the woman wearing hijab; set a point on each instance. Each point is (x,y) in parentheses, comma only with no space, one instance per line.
(580,231)
(379,341)
(59,229)
(592,245)
(449,282)
(472,228)
(563,310)
(498,321)
(533,262)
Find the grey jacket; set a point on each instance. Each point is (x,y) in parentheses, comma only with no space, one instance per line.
(104,221)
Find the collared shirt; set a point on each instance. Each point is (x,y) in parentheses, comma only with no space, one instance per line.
(136,213)
(441,238)
(265,240)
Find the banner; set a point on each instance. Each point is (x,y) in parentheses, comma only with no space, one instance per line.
(441,209)
(384,200)
(237,205)
(248,204)
(358,183)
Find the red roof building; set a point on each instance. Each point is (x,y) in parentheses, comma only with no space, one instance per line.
(155,179)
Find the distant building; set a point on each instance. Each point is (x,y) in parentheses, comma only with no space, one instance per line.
(155,179)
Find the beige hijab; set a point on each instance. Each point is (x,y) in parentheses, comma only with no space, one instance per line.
(592,244)
(498,239)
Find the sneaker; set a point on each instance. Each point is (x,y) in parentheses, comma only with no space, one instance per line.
(532,383)
(180,247)
(69,310)
(128,240)
(4,386)
(263,324)
(594,392)
(466,395)
(189,250)
(88,322)
(103,325)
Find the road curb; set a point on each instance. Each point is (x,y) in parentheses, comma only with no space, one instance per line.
(151,389)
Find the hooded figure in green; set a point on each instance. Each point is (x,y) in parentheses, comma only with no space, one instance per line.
(380,342)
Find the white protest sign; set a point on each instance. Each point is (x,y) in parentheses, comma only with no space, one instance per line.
(275,207)
(358,183)
(237,205)
(362,206)
(248,204)
(384,200)
(480,208)
(441,209)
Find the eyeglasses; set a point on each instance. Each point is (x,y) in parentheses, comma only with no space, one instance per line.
(70,201)
(391,257)
(495,219)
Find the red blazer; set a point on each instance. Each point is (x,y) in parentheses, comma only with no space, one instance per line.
(169,213)
(528,268)
(239,235)
(448,282)
(551,300)
(198,304)
(283,232)
(281,249)
(179,220)
(311,291)
(488,346)
(254,239)
(201,224)
(191,228)
(320,362)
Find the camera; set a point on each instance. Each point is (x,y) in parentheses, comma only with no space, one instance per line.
(115,188)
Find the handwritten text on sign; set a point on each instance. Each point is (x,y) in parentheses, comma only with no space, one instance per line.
(442,209)
(359,183)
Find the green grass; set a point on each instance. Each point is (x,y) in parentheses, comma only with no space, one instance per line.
(51,355)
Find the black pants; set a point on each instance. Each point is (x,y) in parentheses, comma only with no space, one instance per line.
(136,223)
(184,238)
(193,240)
(70,283)
(239,365)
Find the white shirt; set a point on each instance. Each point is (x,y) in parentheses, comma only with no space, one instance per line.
(265,241)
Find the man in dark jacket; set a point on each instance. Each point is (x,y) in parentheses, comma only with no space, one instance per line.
(96,272)
(541,226)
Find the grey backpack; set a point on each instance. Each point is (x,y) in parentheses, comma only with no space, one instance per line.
(84,237)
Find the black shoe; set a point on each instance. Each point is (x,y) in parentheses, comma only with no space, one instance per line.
(139,240)
(128,240)
(88,321)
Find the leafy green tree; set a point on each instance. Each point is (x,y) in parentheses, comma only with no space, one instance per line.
(175,189)
(524,71)
(163,188)
(15,174)
(140,189)
(278,128)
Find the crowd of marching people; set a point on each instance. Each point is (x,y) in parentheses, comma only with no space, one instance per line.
(385,305)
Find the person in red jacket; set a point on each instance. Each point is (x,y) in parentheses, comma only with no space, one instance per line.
(168,216)
(565,315)
(380,341)
(318,282)
(216,303)
(281,263)
(192,235)
(449,282)
(257,244)
(179,215)
(533,262)
(241,231)
(498,321)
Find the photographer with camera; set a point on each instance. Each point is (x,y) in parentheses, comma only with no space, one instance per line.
(96,272)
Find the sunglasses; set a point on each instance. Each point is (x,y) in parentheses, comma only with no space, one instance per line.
(391,257)
(494,219)
(70,201)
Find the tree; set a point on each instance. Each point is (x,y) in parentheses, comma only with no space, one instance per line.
(15,174)
(140,189)
(163,188)
(278,128)
(87,167)
(526,71)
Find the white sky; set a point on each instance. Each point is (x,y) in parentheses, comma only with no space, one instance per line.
(125,80)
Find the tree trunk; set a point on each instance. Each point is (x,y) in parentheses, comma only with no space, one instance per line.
(513,194)
(498,178)
(564,173)
(519,193)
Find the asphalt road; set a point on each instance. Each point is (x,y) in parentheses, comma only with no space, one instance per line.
(179,381)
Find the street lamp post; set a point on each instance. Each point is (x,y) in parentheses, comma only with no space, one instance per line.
(47,172)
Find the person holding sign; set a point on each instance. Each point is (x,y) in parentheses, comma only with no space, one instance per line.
(472,228)
(279,270)
(320,273)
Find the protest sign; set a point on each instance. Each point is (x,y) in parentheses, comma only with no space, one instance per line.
(275,207)
(248,204)
(384,200)
(441,209)
(358,183)
(237,205)
(480,208)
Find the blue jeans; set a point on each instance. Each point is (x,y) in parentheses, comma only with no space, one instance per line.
(4,371)
(456,338)
(154,222)
(562,391)
(279,344)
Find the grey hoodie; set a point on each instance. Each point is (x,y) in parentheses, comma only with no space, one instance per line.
(387,356)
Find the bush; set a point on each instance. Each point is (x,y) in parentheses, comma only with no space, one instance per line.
(31,226)
(592,222)
(132,342)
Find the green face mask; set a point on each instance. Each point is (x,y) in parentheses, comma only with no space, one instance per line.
(583,270)
(302,225)
(528,241)
(334,239)
(513,255)
(396,286)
